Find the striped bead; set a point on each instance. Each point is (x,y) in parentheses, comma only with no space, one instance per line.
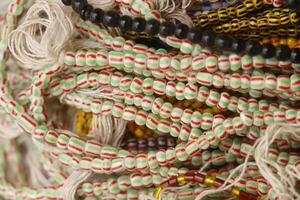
(76,145)
(211,63)
(198,63)
(70,58)
(80,58)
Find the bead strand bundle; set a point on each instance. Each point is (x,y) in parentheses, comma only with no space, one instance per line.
(90,114)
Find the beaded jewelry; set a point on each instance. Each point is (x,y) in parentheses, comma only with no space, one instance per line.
(195,114)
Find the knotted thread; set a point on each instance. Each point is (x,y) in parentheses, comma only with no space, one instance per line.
(43,35)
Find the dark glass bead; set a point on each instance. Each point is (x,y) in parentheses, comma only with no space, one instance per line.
(96,15)
(298,12)
(268,51)
(208,39)
(181,31)
(238,45)
(293,4)
(85,12)
(142,144)
(295,56)
(161,142)
(131,143)
(77,5)
(138,24)
(223,42)
(194,35)
(125,23)
(151,142)
(283,52)
(111,18)
(167,28)
(253,48)
(67,2)
(171,142)
(152,27)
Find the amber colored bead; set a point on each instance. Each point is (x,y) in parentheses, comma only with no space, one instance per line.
(138,133)
(235,191)
(283,42)
(210,180)
(291,42)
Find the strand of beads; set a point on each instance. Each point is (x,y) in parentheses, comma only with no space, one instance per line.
(222,15)
(268,20)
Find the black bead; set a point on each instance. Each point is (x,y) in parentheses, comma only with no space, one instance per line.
(283,52)
(161,142)
(77,5)
(181,31)
(223,42)
(151,142)
(138,24)
(238,45)
(125,23)
(253,48)
(194,35)
(295,56)
(167,28)
(171,142)
(111,18)
(293,4)
(131,143)
(96,15)
(67,2)
(85,12)
(268,51)
(142,144)
(208,39)
(152,27)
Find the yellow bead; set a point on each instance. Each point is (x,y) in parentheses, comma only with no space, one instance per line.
(181,180)
(157,192)
(216,110)
(235,191)
(210,180)
(138,133)
(291,42)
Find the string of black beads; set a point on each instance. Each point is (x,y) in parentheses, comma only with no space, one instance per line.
(149,144)
(206,38)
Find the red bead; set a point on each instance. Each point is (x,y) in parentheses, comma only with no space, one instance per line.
(199,178)
(247,196)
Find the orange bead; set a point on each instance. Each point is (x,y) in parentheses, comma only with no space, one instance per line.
(275,41)
(283,42)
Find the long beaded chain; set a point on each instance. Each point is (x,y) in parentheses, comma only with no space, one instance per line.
(206,102)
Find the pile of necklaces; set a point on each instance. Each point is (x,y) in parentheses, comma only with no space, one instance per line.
(150,99)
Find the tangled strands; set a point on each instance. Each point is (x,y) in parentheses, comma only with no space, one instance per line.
(43,35)
(225,146)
